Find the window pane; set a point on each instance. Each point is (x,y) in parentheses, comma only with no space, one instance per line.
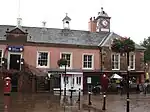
(79,80)
(68,63)
(63,56)
(89,58)
(42,58)
(116,57)
(89,64)
(85,64)
(116,65)
(68,57)
(113,65)
(85,57)
(0,53)
(73,80)
(113,56)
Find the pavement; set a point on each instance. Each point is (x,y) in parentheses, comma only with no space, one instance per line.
(117,103)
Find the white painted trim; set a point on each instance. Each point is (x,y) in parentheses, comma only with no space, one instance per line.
(109,36)
(48,63)
(2,55)
(9,53)
(75,73)
(71,59)
(92,61)
(118,60)
(134,61)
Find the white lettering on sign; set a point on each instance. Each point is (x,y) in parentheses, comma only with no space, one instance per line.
(104,29)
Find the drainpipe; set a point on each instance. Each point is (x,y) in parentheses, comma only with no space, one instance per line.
(101,57)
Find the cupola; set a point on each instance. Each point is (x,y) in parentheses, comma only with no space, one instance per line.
(66,22)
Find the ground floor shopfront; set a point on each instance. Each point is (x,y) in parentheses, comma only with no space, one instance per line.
(90,79)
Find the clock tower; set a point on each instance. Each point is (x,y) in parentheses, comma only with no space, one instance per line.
(103,21)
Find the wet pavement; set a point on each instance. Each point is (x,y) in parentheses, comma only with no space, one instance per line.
(117,103)
(45,102)
(40,102)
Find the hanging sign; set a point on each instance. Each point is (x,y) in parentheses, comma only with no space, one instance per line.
(15,48)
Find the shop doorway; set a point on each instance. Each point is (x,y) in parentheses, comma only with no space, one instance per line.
(14,64)
(14,61)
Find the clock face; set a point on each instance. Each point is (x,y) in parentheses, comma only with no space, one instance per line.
(105,23)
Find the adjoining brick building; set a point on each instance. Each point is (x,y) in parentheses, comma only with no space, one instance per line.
(115,63)
(29,55)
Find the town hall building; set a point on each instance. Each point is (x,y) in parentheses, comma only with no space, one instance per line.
(29,55)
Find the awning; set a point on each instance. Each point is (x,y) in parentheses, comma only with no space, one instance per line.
(115,76)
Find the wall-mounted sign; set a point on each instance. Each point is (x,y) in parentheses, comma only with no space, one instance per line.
(89,81)
(15,48)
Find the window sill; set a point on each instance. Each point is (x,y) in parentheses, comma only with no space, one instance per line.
(115,69)
(66,67)
(131,69)
(87,68)
(42,67)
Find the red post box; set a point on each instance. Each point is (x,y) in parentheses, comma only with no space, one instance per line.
(7,86)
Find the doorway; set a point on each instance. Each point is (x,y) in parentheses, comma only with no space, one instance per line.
(14,62)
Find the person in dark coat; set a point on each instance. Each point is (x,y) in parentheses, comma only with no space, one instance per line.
(121,87)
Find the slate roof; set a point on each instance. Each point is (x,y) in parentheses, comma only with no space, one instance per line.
(63,36)
(112,36)
(57,36)
(67,18)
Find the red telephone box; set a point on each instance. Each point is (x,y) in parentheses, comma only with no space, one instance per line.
(7,85)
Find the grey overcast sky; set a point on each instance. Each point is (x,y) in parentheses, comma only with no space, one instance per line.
(129,18)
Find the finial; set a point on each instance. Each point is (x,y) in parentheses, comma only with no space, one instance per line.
(44,23)
(101,9)
(66,14)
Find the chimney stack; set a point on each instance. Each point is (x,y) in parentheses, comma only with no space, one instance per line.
(92,24)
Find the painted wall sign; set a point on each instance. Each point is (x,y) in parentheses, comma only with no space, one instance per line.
(15,48)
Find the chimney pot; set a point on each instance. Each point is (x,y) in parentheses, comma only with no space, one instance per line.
(91,18)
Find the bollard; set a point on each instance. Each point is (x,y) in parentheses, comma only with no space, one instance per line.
(79,96)
(90,103)
(104,101)
(71,91)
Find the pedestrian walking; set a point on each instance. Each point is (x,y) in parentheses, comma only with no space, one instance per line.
(121,87)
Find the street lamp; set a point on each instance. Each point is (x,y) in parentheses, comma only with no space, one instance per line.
(63,62)
(124,45)
(128,73)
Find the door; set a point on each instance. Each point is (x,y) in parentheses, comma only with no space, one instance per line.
(15,61)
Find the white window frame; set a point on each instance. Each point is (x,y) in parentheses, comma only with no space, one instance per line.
(2,56)
(114,59)
(48,60)
(132,60)
(92,61)
(66,79)
(71,61)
